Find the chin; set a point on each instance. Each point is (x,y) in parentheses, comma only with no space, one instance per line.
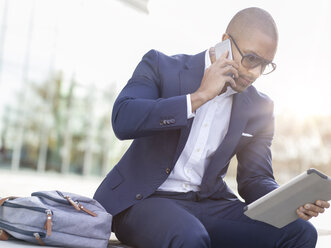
(242,84)
(239,89)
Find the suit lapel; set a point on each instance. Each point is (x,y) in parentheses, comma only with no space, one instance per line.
(190,80)
(191,75)
(223,154)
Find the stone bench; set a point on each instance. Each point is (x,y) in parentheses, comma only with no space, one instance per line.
(324,241)
(113,243)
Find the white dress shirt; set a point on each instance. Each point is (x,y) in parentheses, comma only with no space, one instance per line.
(209,128)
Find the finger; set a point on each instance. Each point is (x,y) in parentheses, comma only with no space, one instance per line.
(313,212)
(230,80)
(302,215)
(212,55)
(323,204)
(303,210)
(225,62)
(314,208)
(230,70)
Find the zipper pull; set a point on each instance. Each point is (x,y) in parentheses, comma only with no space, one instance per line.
(38,238)
(74,204)
(48,224)
(87,210)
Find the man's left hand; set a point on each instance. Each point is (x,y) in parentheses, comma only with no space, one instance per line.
(310,210)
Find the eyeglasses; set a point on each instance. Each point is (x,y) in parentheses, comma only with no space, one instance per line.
(251,61)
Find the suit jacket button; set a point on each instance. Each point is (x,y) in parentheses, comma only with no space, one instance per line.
(167,170)
(139,196)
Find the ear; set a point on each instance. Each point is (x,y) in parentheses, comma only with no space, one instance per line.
(225,36)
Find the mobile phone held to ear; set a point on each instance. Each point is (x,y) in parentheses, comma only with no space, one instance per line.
(222,47)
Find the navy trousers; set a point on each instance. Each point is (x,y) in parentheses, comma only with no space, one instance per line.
(168,219)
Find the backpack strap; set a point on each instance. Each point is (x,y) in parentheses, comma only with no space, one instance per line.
(2,200)
(4,235)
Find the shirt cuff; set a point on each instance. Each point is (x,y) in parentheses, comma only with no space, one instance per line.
(189,107)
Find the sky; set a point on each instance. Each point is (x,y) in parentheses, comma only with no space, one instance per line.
(101,41)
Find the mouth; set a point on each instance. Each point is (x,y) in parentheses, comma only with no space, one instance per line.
(244,82)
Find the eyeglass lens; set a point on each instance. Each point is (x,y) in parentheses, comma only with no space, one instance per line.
(251,61)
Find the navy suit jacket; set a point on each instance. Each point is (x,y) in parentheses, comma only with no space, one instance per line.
(151,109)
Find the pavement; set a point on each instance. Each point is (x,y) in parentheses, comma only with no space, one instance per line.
(23,183)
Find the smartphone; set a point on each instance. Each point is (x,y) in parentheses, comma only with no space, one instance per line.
(222,47)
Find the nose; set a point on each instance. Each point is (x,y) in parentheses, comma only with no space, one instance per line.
(256,71)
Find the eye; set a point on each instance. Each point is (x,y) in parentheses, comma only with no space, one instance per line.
(252,59)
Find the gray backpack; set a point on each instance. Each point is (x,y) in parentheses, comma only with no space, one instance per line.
(56,218)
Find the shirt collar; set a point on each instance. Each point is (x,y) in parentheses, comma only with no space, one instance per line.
(229,91)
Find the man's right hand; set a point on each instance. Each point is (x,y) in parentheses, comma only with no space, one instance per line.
(214,79)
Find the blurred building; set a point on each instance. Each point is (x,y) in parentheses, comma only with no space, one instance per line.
(51,121)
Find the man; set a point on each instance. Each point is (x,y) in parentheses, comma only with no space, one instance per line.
(188,116)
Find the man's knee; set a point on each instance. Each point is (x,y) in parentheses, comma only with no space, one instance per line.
(309,232)
(191,238)
(303,233)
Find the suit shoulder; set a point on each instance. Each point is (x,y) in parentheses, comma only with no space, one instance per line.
(262,103)
(259,97)
(162,57)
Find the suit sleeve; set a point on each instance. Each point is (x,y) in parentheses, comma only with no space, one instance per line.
(139,109)
(255,175)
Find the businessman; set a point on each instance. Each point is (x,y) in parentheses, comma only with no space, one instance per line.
(188,116)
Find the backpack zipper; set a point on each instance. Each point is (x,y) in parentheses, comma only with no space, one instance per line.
(37,235)
(86,210)
(49,214)
(66,200)
(63,201)
(49,224)
(15,205)
(78,206)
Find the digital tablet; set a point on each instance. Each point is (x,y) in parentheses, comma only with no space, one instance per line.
(278,208)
